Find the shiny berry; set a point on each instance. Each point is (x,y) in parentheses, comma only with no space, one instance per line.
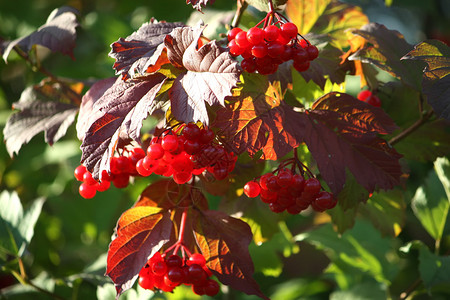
(232,33)
(170,143)
(87,191)
(289,30)
(255,35)
(252,189)
(197,259)
(79,172)
(271,33)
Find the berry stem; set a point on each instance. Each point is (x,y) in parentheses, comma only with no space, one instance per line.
(241,6)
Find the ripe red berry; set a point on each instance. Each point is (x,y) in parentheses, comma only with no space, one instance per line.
(241,40)
(232,33)
(301,67)
(255,35)
(284,178)
(155,151)
(287,53)
(175,275)
(191,132)
(174,261)
(248,65)
(211,287)
(147,282)
(119,164)
(313,52)
(197,259)
(275,49)
(235,49)
(312,186)
(141,169)
(364,95)
(252,189)
(206,136)
(300,56)
(136,155)
(271,33)
(159,268)
(87,191)
(79,172)
(196,274)
(170,143)
(88,179)
(121,181)
(324,200)
(259,50)
(103,185)
(289,30)
(268,196)
(374,101)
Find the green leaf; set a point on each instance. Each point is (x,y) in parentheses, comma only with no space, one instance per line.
(263,5)
(434,269)
(436,77)
(17,226)
(353,254)
(431,206)
(299,288)
(363,291)
(442,167)
(384,48)
(386,210)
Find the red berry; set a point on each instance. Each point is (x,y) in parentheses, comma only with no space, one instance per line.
(325,200)
(175,275)
(267,69)
(79,172)
(287,53)
(232,33)
(298,184)
(252,189)
(289,30)
(313,52)
(300,56)
(302,67)
(174,261)
(276,208)
(272,183)
(87,191)
(284,178)
(235,49)
(211,288)
(121,181)
(147,282)
(170,143)
(259,50)
(88,179)
(159,268)
(197,259)
(255,35)
(155,151)
(136,155)
(206,136)
(196,274)
(271,33)
(181,177)
(241,40)
(268,196)
(119,165)
(103,185)
(312,186)
(364,95)
(294,209)
(141,169)
(275,49)
(198,289)
(220,173)
(374,101)
(248,65)
(191,132)
(263,180)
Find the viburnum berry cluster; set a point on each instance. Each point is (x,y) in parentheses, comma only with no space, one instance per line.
(122,168)
(283,190)
(190,153)
(166,272)
(368,97)
(264,49)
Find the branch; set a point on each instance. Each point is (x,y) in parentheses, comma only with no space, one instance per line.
(241,6)
(411,128)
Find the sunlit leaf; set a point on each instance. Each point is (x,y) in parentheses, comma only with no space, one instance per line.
(436,77)
(58,34)
(210,74)
(140,233)
(434,269)
(227,256)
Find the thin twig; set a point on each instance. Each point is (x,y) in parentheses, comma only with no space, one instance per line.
(411,128)
(241,6)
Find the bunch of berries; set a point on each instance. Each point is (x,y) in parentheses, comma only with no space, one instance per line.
(264,49)
(166,273)
(289,191)
(368,97)
(122,168)
(182,156)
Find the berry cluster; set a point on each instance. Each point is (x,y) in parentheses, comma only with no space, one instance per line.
(263,49)
(122,168)
(165,273)
(289,191)
(368,97)
(182,156)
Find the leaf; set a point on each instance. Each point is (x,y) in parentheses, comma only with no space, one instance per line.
(224,242)
(259,120)
(37,116)
(363,291)
(197,4)
(384,48)
(17,226)
(431,205)
(442,167)
(354,253)
(332,18)
(337,143)
(434,269)
(140,233)
(263,5)
(142,49)
(58,34)
(387,211)
(436,77)
(124,106)
(210,74)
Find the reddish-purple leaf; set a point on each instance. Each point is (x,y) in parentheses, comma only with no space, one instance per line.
(259,119)
(210,74)
(197,4)
(384,48)
(124,106)
(224,241)
(36,116)
(140,233)
(364,116)
(142,49)
(87,114)
(337,145)
(436,77)
(58,34)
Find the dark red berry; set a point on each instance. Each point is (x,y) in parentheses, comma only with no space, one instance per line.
(275,49)
(191,132)
(206,136)
(174,261)
(121,181)
(312,51)
(284,178)
(301,67)
(325,200)
(312,186)
(211,288)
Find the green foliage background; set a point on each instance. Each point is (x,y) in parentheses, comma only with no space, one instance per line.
(66,253)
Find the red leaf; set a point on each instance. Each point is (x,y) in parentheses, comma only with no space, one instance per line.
(197,4)
(124,106)
(211,74)
(224,241)
(337,145)
(140,233)
(142,49)
(364,116)
(259,120)
(37,115)
(58,34)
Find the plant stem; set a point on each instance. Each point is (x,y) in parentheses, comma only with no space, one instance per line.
(241,6)
(75,97)
(411,128)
